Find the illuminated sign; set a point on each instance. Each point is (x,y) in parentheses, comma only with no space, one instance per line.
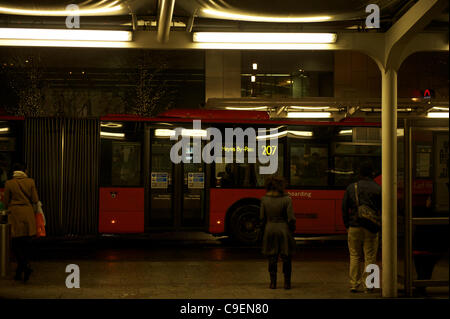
(428,93)
(238,149)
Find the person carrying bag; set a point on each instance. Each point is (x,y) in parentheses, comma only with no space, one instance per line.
(38,213)
(361,207)
(19,198)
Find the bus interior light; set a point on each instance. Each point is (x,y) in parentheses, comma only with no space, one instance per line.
(251,108)
(111,125)
(270,136)
(345,132)
(437,115)
(194,133)
(301,133)
(4,130)
(440,108)
(112,134)
(184,132)
(284,133)
(164,132)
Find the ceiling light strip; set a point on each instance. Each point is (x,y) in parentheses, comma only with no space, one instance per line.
(65,34)
(262,37)
(84,12)
(245,17)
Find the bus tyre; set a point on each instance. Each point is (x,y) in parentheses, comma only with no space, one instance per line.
(244,225)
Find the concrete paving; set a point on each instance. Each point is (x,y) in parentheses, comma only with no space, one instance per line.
(190,267)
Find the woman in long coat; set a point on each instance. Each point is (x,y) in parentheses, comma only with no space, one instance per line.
(277,215)
(19,198)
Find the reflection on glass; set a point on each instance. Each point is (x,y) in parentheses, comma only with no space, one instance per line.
(309,165)
(346,168)
(238,175)
(161,196)
(126,163)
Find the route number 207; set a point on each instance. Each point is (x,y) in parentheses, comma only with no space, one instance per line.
(268,150)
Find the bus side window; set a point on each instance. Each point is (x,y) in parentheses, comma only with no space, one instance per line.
(238,175)
(120,155)
(349,156)
(309,164)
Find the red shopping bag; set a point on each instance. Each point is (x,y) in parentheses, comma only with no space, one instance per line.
(40,225)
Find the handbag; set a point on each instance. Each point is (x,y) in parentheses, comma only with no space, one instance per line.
(366,216)
(40,224)
(38,214)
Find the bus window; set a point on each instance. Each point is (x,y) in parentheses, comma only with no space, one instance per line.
(247,175)
(349,156)
(309,164)
(355,145)
(120,154)
(346,168)
(126,164)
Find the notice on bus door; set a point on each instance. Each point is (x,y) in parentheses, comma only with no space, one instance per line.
(196,180)
(160,180)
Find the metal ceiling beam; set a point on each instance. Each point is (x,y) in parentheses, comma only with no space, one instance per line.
(165,19)
(412,22)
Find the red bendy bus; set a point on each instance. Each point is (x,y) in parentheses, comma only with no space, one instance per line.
(142,190)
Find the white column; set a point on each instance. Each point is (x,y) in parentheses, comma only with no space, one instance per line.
(389,183)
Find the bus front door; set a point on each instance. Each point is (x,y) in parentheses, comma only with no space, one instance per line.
(177,191)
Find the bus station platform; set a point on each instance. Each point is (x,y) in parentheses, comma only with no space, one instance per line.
(187,266)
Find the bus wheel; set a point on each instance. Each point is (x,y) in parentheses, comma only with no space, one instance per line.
(243,224)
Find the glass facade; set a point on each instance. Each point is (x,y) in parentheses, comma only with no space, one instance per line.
(286,74)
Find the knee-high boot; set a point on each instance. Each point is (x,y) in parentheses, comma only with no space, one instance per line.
(273,271)
(287,270)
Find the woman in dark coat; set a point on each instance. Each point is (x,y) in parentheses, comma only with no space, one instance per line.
(278,217)
(20,196)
